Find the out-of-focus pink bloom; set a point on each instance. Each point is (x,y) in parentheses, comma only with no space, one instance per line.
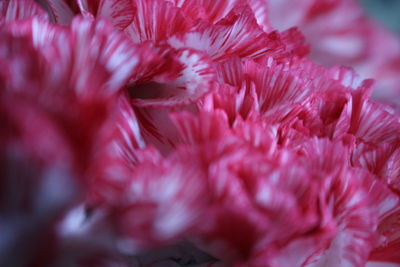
(68,57)
(47,89)
(170,200)
(339,33)
(38,182)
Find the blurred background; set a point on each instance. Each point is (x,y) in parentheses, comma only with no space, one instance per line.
(385,11)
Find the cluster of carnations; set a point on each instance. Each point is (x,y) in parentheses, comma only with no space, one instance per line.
(191,133)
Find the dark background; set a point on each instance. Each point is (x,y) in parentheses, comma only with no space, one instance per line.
(385,11)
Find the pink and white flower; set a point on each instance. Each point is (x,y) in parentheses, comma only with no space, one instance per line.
(184,132)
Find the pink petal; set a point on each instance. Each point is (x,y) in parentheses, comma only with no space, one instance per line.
(353,239)
(207,10)
(372,122)
(69,57)
(194,80)
(275,86)
(295,42)
(155,20)
(163,200)
(238,35)
(271,91)
(19,10)
(119,13)
(86,47)
(157,128)
(391,171)
(206,127)
(260,10)
(98,43)
(389,230)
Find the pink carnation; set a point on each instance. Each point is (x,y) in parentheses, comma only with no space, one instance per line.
(197,133)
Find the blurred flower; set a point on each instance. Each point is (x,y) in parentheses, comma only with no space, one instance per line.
(339,32)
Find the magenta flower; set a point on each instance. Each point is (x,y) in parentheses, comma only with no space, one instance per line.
(197,133)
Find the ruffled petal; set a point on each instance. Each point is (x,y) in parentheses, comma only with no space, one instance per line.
(69,57)
(119,13)
(207,127)
(206,10)
(96,44)
(88,46)
(389,230)
(195,78)
(347,204)
(260,10)
(236,35)
(270,91)
(372,122)
(169,196)
(155,20)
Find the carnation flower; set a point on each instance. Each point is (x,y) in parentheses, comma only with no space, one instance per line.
(197,133)
(339,33)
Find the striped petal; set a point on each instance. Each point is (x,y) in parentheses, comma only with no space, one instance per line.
(194,80)
(236,35)
(20,9)
(155,20)
(119,13)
